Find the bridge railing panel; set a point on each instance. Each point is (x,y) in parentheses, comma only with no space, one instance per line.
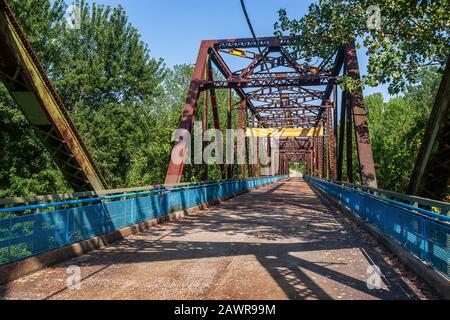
(26,232)
(423,233)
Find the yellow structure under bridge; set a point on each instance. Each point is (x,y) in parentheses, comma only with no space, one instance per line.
(285,132)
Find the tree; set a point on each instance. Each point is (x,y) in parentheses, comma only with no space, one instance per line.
(26,168)
(412,35)
(107,80)
(110,84)
(150,159)
(396,129)
(124,103)
(106,62)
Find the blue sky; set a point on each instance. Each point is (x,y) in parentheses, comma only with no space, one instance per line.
(173,29)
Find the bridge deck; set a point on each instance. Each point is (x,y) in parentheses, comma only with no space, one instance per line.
(277,242)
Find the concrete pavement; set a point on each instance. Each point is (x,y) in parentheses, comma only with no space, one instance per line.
(277,242)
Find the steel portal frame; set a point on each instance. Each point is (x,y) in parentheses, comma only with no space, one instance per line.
(281,88)
(277,88)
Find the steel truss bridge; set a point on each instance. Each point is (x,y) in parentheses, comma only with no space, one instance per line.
(277,88)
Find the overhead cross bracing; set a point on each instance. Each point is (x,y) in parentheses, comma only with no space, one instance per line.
(283,88)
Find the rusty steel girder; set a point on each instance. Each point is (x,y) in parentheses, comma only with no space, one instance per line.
(431,174)
(363,145)
(34,94)
(278,88)
(276,81)
(331,143)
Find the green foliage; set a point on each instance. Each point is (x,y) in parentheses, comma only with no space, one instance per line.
(151,158)
(124,103)
(413,34)
(111,85)
(43,22)
(26,167)
(297,168)
(397,128)
(106,62)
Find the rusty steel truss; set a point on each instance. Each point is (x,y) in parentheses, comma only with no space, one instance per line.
(26,80)
(431,174)
(281,88)
(278,87)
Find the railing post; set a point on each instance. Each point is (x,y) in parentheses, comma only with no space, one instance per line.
(426,249)
(9,236)
(66,227)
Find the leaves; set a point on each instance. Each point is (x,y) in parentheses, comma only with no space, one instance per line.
(413,35)
(124,103)
(397,127)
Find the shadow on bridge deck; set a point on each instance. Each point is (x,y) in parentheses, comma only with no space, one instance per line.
(278,242)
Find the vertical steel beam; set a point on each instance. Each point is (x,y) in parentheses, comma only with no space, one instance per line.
(331,142)
(204,130)
(257,167)
(316,160)
(269,150)
(278,172)
(275,156)
(285,164)
(308,164)
(242,119)
(320,146)
(349,139)
(247,148)
(175,169)
(215,111)
(251,164)
(317,157)
(229,127)
(431,174)
(327,144)
(363,145)
(333,131)
(335,114)
(341,136)
(313,157)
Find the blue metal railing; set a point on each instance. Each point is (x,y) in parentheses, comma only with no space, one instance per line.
(24,233)
(422,232)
